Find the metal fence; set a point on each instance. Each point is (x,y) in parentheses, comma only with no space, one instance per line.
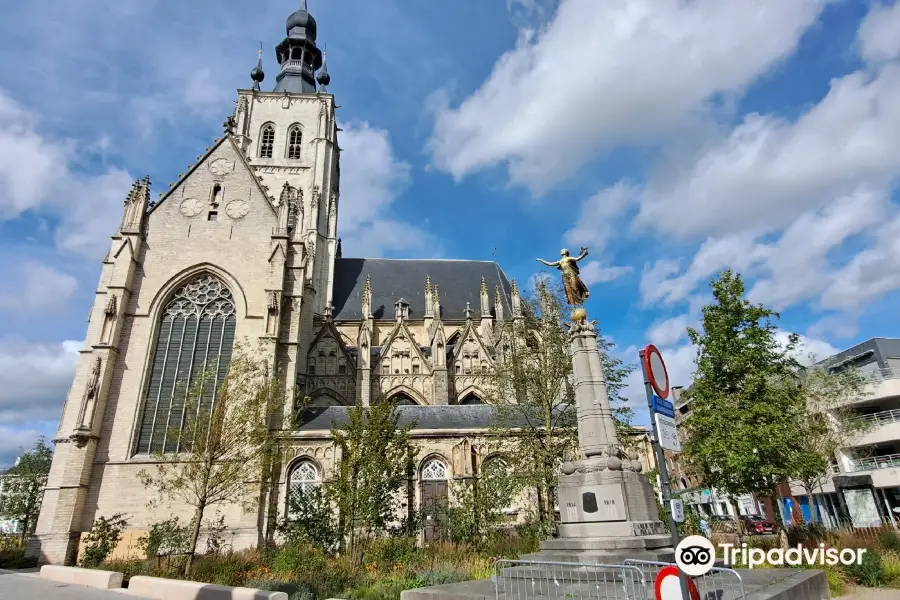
(545,580)
(720,583)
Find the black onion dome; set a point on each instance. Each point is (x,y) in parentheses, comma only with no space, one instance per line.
(257,74)
(323,77)
(304,20)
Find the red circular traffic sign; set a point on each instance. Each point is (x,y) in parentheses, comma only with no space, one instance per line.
(656,371)
(668,587)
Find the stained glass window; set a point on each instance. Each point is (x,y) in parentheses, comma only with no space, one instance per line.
(266,141)
(195,335)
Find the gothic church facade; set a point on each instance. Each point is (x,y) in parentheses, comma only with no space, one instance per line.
(244,246)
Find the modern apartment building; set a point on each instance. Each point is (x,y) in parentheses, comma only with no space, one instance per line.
(864,485)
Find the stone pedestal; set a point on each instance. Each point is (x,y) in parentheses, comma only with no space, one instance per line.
(607,507)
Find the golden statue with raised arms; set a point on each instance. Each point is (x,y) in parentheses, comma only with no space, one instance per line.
(576,291)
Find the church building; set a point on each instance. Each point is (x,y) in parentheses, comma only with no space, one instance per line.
(245,246)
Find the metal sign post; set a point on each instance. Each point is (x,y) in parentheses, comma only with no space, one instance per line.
(656,384)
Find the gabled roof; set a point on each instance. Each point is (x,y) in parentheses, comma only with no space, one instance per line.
(243,159)
(459,282)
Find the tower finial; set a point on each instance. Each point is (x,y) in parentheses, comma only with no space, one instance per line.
(257,74)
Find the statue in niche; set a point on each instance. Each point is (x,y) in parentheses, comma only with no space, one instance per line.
(109,318)
(273,304)
(89,398)
(576,291)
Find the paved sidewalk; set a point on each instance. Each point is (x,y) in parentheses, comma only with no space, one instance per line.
(26,585)
(862,593)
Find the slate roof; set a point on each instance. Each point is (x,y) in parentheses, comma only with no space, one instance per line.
(470,416)
(459,282)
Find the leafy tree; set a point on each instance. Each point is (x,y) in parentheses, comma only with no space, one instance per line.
(310,519)
(479,502)
(367,489)
(531,387)
(165,538)
(827,423)
(102,540)
(224,444)
(23,487)
(745,397)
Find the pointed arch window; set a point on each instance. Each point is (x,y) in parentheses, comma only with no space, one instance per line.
(434,470)
(266,141)
(195,335)
(295,137)
(303,481)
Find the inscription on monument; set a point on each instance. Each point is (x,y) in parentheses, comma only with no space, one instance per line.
(648,528)
(592,503)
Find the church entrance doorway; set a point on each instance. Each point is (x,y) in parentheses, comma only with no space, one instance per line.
(434,500)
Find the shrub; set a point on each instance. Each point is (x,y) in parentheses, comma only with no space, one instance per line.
(440,577)
(387,552)
(837,580)
(298,557)
(295,591)
(230,568)
(809,534)
(103,539)
(384,589)
(870,572)
(14,558)
(166,537)
(891,563)
(889,541)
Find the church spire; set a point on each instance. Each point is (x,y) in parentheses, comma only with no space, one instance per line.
(257,74)
(298,54)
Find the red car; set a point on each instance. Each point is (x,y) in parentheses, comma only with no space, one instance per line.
(757,525)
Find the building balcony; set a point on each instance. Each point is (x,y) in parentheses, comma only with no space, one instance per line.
(881,427)
(872,463)
(883,383)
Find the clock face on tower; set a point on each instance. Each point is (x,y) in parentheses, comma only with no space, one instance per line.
(191,207)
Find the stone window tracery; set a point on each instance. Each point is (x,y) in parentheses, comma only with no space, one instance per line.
(266,141)
(195,336)
(304,478)
(295,137)
(434,470)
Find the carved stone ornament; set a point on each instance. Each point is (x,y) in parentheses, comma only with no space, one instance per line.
(110,309)
(221,166)
(237,209)
(191,207)
(274,302)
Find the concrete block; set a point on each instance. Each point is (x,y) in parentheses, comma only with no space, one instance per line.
(104,580)
(157,588)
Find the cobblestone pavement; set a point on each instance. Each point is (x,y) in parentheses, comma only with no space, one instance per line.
(26,585)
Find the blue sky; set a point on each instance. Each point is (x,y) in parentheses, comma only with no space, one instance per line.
(673,138)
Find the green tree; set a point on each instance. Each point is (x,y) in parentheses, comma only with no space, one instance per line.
(530,385)
(368,487)
(827,422)
(23,487)
(310,519)
(224,445)
(745,397)
(102,540)
(479,502)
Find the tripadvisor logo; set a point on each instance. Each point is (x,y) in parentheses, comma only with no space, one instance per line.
(695,555)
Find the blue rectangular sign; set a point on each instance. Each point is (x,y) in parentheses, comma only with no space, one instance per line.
(663,407)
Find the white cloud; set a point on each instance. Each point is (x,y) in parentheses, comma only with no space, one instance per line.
(769,170)
(879,33)
(796,266)
(601,74)
(670,331)
(36,174)
(371,179)
(595,272)
(13,440)
(37,288)
(596,223)
(808,350)
(35,378)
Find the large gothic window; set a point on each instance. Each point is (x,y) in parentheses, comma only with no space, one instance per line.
(295,136)
(266,141)
(304,478)
(196,335)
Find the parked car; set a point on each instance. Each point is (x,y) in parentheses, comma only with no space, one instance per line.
(757,525)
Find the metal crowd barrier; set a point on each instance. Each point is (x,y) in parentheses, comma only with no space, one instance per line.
(546,580)
(720,583)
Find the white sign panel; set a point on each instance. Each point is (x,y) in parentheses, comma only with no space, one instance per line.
(677,510)
(668,433)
